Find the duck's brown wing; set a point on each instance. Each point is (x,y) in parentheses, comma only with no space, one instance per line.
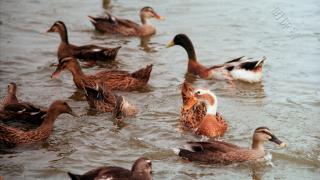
(213,146)
(112,24)
(102,99)
(103,173)
(123,80)
(93,52)
(25,111)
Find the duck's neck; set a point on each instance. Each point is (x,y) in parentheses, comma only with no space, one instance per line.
(10,98)
(257,146)
(211,108)
(51,116)
(77,74)
(144,20)
(64,35)
(188,46)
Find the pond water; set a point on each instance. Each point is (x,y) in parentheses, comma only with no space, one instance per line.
(287,100)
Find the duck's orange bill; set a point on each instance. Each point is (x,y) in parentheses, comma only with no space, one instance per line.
(159,17)
(56,73)
(189,104)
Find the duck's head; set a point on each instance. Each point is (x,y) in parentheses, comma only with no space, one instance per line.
(61,107)
(69,63)
(205,96)
(12,88)
(58,26)
(148,13)
(184,41)
(142,164)
(263,134)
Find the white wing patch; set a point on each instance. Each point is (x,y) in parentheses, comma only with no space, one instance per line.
(96,50)
(244,75)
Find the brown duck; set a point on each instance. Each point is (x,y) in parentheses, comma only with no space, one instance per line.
(199,112)
(14,136)
(217,152)
(141,170)
(113,79)
(105,100)
(86,52)
(10,97)
(112,24)
(13,109)
(237,69)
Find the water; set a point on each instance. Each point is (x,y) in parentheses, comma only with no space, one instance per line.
(287,100)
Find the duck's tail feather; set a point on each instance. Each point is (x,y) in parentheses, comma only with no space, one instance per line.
(235,60)
(261,61)
(143,74)
(123,108)
(111,52)
(252,65)
(74,176)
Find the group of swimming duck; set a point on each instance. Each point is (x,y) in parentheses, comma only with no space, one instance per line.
(198,113)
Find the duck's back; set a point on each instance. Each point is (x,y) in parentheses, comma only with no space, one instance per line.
(217,152)
(110,172)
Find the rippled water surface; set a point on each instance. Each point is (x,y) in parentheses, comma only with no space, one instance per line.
(287,100)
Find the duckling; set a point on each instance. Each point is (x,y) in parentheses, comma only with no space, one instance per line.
(204,121)
(14,136)
(105,100)
(11,96)
(236,69)
(113,79)
(217,152)
(86,52)
(13,109)
(112,24)
(141,170)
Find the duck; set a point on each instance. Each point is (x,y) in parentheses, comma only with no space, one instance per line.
(241,68)
(105,100)
(115,25)
(199,112)
(13,109)
(13,136)
(86,52)
(113,79)
(10,97)
(141,170)
(219,152)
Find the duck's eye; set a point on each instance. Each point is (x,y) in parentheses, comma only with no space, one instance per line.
(198,92)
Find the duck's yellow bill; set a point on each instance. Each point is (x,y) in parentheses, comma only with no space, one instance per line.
(283,145)
(170,44)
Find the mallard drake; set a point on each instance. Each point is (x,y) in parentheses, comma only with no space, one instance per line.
(218,152)
(86,52)
(105,100)
(112,24)
(113,79)
(14,136)
(141,170)
(199,112)
(236,69)
(13,109)
(10,97)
